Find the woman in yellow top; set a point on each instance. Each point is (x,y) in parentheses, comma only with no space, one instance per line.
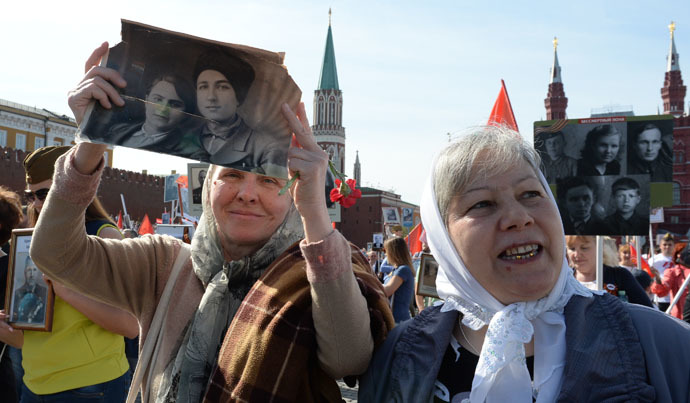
(83,358)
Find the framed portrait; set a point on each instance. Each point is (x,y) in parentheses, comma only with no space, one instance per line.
(196,172)
(426,276)
(391,215)
(408,216)
(377,241)
(29,299)
(170,192)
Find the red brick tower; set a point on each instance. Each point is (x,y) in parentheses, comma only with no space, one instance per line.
(555,101)
(673,91)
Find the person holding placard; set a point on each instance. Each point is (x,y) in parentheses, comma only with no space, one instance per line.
(515,325)
(266,285)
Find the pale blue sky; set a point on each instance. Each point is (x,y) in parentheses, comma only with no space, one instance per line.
(410,71)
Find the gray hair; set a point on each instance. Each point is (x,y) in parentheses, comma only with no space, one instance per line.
(481,152)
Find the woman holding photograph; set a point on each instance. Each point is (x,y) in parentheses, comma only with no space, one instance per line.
(399,284)
(268,284)
(516,326)
(600,153)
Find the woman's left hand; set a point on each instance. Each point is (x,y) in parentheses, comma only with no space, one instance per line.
(308,159)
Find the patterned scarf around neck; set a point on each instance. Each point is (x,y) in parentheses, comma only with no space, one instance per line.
(226,283)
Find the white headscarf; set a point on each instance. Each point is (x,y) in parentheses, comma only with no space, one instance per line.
(501,374)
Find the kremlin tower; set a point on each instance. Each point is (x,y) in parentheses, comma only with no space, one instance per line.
(328,107)
(555,101)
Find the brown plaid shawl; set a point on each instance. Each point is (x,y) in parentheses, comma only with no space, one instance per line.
(269,351)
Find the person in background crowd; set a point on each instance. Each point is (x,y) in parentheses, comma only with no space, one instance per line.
(648,154)
(84,354)
(600,153)
(625,257)
(129,233)
(556,164)
(645,281)
(516,326)
(373,258)
(674,278)
(10,218)
(386,267)
(660,262)
(266,286)
(399,284)
(617,281)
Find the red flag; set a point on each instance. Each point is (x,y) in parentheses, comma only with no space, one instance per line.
(145,227)
(502,113)
(119,220)
(643,261)
(182,180)
(412,239)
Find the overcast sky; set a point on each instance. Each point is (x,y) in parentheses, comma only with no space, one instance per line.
(410,72)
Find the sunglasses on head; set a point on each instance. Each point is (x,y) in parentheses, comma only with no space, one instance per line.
(40,194)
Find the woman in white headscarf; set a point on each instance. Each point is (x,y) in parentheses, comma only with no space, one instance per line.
(270,304)
(516,326)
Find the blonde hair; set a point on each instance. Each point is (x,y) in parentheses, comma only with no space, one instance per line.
(610,251)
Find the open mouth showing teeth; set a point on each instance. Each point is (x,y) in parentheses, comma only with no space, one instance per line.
(521,252)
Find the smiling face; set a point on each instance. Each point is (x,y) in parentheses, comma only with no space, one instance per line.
(215,96)
(648,145)
(507,232)
(247,208)
(606,148)
(164,108)
(582,254)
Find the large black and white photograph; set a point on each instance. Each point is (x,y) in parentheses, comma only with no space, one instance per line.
(650,145)
(604,205)
(29,299)
(622,145)
(200,99)
(170,193)
(582,149)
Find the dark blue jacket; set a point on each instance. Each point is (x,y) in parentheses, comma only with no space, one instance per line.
(615,352)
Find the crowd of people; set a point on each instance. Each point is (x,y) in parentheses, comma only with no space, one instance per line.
(271,303)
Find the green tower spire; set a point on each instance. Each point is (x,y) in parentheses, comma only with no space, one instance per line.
(329,72)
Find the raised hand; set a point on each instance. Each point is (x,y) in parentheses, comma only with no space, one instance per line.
(97,84)
(306,157)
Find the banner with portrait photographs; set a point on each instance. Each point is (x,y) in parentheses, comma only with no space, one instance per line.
(195,98)
(607,172)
